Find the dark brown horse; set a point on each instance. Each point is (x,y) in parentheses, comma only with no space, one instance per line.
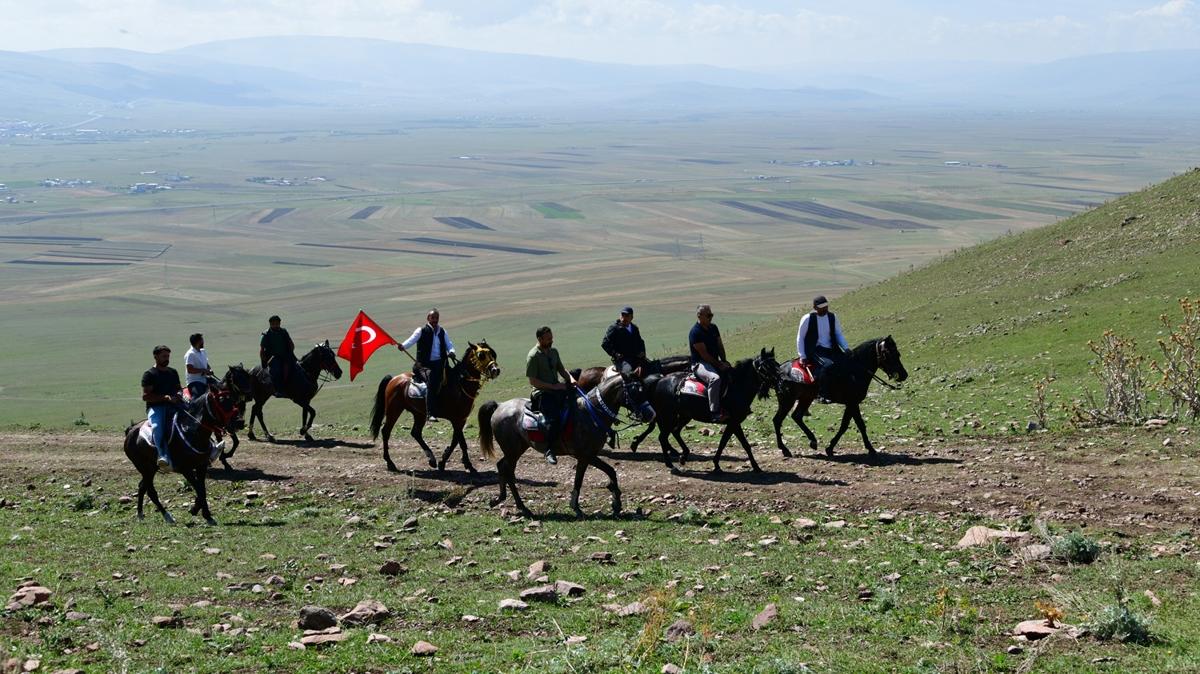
(589,417)
(454,403)
(189,446)
(847,387)
(300,391)
(588,378)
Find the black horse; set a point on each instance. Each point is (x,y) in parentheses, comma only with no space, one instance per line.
(301,391)
(240,384)
(189,446)
(739,386)
(847,387)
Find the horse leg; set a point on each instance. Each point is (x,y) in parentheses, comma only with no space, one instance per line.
(612,483)
(741,436)
(846,414)
(202,491)
(580,469)
(721,448)
(308,416)
(512,483)
(502,473)
(418,425)
(142,495)
(638,440)
(781,413)
(229,455)
(664,434)
(454,438)
(798,417)
(388,422)
(257,411)
(862,429)
(153,494)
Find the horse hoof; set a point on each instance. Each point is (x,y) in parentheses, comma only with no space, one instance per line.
(829,451)
(270,438)
(675,471)
(210,521)
(527,513)
(432,463)
(578,514)
(441,467)
(308,438)
(755,469)
(226,465)
(392,468)
(141,516)
(787,454)
(471,469)
(168,519)
(812,445)
(717,468)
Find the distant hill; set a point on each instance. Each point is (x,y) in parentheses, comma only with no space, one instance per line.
(980,327)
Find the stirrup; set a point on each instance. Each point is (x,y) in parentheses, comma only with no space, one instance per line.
(550,458)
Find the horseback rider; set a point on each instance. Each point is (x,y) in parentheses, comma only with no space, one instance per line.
(546,375)
(160,390)
(624,345)
(196,363)
(707,352)
(433,348)
(821,345)
(277,352)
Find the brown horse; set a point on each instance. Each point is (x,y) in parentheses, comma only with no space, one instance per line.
(455,401)
(587,378)
(589,419)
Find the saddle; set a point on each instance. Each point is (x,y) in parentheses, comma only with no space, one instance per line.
(691,386)
(417,389)
(533,422)
(799,373)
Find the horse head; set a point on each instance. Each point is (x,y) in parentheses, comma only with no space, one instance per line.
(767,369)
(238,382)
(634,398)
(482,358)
(327,359)
(887,356)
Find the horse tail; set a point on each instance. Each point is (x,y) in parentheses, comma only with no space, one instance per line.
(380,407)
(485,428)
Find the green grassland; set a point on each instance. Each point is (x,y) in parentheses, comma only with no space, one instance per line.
(656,234)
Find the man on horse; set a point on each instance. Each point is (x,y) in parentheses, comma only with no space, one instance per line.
(707,352)
(433,348)
(160,390)
(624,345)
(546,375)
(277,352)
(196,362)
(821,345)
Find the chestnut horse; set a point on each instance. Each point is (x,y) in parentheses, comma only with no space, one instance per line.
(455,402)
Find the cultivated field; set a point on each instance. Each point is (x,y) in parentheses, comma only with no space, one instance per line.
(504,224)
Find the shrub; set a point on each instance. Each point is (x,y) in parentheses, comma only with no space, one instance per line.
(83,502)
(1117,621)
(1075,548)
(1180,369)
(1119,368)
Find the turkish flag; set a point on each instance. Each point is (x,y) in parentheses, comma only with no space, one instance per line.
(363,338)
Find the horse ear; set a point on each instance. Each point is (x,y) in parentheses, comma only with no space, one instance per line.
(470,344)
(327,342)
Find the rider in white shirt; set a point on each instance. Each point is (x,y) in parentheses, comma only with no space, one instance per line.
(196,362)
(820,343)
(433,348)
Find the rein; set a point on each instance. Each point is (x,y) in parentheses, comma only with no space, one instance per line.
(879,351)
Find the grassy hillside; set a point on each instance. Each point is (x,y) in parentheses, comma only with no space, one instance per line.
(980,327)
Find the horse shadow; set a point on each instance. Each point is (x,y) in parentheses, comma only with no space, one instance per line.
(245,475)
(883,459)
(769,477)
(325,443)
(462,484)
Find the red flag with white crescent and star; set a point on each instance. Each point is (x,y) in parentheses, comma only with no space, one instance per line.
(363,338)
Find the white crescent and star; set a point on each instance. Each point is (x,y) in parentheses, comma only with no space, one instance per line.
(370,332)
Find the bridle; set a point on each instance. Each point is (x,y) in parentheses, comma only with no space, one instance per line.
(881,351)
(476,364)
(218,413)
(626,401)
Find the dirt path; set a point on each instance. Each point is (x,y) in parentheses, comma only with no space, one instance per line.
(1128,482)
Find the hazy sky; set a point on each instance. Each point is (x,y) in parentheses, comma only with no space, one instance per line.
(744,33)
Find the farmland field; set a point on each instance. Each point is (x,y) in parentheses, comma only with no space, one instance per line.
(482,219)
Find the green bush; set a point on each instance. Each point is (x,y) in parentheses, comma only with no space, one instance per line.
(1076,548)
(1118,622)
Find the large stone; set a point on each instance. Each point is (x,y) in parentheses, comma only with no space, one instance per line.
(366,612)
(765,617)
(565,588)
(538,568)
(981,535)
(513,605)
(1033,553)
(1034,629)
(323,639)
(30,595)
(423,649)
(540,593)
(316,618)
(636,608)
(671,669)
(679,629)
(167,622)
(804,523)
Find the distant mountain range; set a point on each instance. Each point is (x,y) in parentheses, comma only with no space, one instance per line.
(349,73)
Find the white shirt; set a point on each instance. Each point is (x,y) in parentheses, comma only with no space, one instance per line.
(198,359)
(823,337)
(435,352)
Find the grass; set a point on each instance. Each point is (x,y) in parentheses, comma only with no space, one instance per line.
(556,211)
(841,608)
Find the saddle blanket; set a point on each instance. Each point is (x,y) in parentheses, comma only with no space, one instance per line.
(417,389)
(147,436)
(800,373)
(693,387)
(534,425)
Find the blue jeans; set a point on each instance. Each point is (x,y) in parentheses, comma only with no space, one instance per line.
(159,418)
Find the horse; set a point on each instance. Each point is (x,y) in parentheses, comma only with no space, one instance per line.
(849,390)
(320,359)
(455,401)
(189,446)
(587,379)
(589,417)
(740,384)
(240,384)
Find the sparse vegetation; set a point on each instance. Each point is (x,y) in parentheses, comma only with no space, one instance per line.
(1075,548)
(1180,366)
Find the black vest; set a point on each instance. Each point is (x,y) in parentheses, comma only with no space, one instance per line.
(810,337)
(425,343)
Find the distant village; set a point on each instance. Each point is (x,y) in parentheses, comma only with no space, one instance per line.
(286,182)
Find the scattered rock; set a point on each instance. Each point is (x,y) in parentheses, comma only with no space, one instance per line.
(1033,553)
(324,638)
(513,605)
(981,535)
(886,518)
(514,575)
(765,617)
(31,665)
(1153,598)
(468,618)
(423,649)
(540,593)
(212,551)
(392,568)
(678,630)
(1036,629)
(602,557)
(409,524)
(275,580)
(1167,442)
(1155,424)
(167,622)
(636,608)
(296,646)
(565,588)
(575,640)
(77,616)
(835,524)
(671,669)
(804,523)
(67,671)
(29,595)
(316,618)
(1015,650)
(366,612)
(538,568)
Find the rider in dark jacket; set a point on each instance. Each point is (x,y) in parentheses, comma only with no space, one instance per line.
(624,344)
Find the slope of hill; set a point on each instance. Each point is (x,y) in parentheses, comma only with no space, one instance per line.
(980,327)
